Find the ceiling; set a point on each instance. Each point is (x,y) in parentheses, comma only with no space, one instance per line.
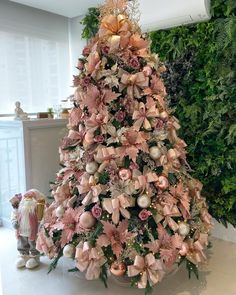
(69,8)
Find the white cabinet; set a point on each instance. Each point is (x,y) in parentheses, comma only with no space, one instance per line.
(29,157)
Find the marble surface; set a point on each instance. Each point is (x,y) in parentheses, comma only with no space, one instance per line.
(217,277)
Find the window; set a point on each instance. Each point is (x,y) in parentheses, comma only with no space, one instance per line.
(33,70)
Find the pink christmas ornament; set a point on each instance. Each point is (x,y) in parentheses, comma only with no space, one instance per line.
(162,183)
(87,220)
(125,174)
(164,116)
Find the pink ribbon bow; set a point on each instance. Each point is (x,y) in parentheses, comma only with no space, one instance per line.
(89,186)
(90,259)
(105,153)
(116,207)
(149,267)
(143,114)
(133,82)
(142,181)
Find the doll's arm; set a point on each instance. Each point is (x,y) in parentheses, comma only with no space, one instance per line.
(14,220)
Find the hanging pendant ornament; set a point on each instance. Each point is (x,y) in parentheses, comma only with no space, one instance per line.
(87,220)
(124,174)
(69,251)
(144,201)
(60,211)
(118,268)
(184,228)
(162,183)
(91,167)
(155,152)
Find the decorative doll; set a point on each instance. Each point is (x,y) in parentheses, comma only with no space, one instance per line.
(27,213)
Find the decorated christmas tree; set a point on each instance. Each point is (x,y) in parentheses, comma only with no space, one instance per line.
(124,201)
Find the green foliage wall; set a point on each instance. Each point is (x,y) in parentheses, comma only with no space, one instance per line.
(200,82)
(201,86)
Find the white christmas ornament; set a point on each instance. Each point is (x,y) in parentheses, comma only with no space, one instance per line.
(69,251)
(184,228)
(60,211)
(91,167)
(144,201)
(155,152)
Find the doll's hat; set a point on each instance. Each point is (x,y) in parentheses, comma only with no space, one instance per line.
(36,194)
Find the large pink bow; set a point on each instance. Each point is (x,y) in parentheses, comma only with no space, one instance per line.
(143,181)
(88,185)
(117,31)
(90,259)
(143,114)
(105,153)
(116,207)
(133,82)
(149,267)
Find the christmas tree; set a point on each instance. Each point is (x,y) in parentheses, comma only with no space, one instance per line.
(124,201)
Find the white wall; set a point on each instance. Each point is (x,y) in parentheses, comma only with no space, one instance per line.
(32,21)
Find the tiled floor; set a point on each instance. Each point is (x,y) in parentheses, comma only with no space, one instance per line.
(218,276)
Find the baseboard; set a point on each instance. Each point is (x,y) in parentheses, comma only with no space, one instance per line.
(221,232)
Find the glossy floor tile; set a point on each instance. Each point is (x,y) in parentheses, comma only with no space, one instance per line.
(218,276)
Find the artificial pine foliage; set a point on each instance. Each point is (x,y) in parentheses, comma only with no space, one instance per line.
(124,201)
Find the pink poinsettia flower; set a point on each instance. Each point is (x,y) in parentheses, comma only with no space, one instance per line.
(116,236)
(49,216)
(69,224)
(182,194)
(45,244)
(169,246)
(76,115)
(132,142)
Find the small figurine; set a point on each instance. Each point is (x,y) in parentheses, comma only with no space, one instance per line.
(27,213)
(20,114)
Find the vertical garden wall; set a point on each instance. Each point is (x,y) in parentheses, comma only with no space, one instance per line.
(200,82)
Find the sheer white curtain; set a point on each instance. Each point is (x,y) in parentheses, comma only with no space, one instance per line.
(34,58)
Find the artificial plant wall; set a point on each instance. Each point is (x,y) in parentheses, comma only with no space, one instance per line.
(200,81)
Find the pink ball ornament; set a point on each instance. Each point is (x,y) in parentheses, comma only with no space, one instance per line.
(125,174)
(164,116)
(87,220)
(171,154)
(155,152)
(162,183)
